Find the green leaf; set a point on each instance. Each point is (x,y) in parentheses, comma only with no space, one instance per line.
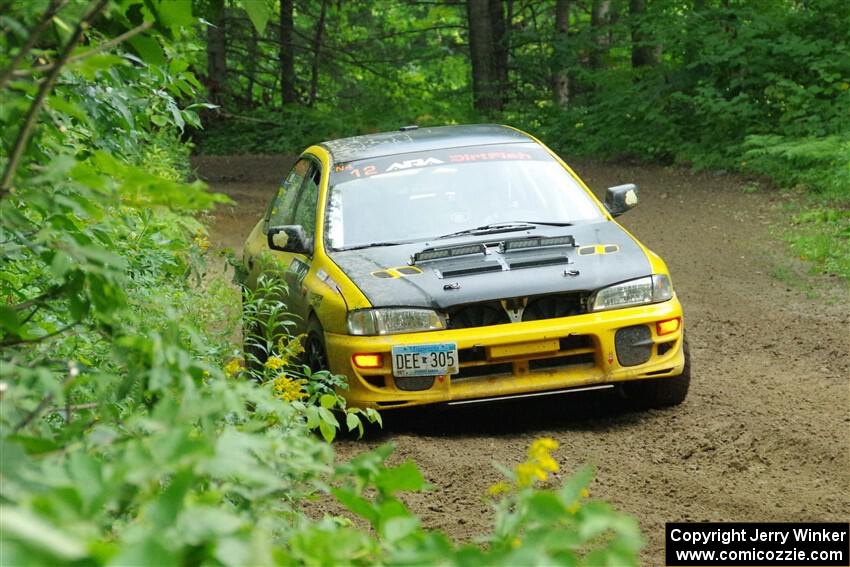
(405,477)
(570,491)
(41,535)
(259,11)
(327,401)
(356,504)
(546,506)
(9,320)
(175,13)
(352,421)
(148,49)
(328,430)
(399,527)
(164,510)
(65,106)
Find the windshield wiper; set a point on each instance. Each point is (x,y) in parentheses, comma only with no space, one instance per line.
(547,223)
(373,245)
(497,227)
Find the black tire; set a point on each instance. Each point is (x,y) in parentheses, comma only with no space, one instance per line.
(315,355)
(661,392)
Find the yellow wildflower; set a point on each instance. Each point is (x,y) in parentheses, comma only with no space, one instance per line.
(539,464)
(202,242)
(288,389)
(539,454)
(527,473)
(498,489)
(232,367)
(274,363)
(844,86)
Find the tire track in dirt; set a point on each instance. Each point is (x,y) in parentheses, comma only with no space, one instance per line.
(763,435)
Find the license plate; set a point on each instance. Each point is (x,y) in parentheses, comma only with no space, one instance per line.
(425,360)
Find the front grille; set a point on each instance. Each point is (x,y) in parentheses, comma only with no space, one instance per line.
(478,315)
(552,307)
(633,344)
(536,309)
(484,370)
(569,360)
(573,350)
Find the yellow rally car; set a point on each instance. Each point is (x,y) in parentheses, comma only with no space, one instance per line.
(467,263)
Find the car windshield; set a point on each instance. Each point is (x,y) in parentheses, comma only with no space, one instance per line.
(422,196)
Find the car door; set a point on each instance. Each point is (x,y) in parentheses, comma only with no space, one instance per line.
(304,215)
(289,267)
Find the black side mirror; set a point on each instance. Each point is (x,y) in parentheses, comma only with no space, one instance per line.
(290,238)
(621,198)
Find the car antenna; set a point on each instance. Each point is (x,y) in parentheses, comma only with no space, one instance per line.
(409,128)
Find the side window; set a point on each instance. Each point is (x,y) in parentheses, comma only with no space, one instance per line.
(282,207)
(305,209)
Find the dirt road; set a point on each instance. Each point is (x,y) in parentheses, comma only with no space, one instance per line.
(765,432)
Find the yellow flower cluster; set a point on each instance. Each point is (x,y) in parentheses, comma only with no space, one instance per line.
(539,464)
(202,242)
(274,363)
(536,468)
(288,389)
(232,367)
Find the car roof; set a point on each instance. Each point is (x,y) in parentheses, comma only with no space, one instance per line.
(421,139)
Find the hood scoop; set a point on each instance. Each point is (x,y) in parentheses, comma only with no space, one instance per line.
(536,261)
(469,269)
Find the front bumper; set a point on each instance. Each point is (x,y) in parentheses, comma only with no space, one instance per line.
(534,356)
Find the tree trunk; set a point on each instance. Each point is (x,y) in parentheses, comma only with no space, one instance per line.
(643,51)
(599,33)
(500,41)
(253,56)
(482,50)
(216,53)
(287,52)
(317,50)
(561,76)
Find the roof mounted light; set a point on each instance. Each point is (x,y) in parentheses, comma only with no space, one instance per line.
(525,243)
(447,252)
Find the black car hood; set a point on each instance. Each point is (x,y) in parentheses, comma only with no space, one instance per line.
(603,255)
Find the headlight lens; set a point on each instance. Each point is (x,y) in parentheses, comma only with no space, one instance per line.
(389,321)
(650,289)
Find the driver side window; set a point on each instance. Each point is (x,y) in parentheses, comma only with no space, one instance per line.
(282,208)
(305,209)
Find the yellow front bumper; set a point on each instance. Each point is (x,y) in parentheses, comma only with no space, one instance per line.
(513,358)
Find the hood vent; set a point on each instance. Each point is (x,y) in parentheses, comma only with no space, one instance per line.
(536,261)
(470,269)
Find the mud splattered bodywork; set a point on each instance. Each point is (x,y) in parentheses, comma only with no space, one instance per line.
(468,263)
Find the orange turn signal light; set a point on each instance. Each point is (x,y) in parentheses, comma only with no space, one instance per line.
(370,360)
(667,327)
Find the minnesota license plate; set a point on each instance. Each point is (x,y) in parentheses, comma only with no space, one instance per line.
(425,360)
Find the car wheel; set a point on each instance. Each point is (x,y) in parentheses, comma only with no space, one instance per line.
(661,392)
(315,355)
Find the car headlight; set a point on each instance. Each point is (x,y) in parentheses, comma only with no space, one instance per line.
(389,321)
(650,289)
